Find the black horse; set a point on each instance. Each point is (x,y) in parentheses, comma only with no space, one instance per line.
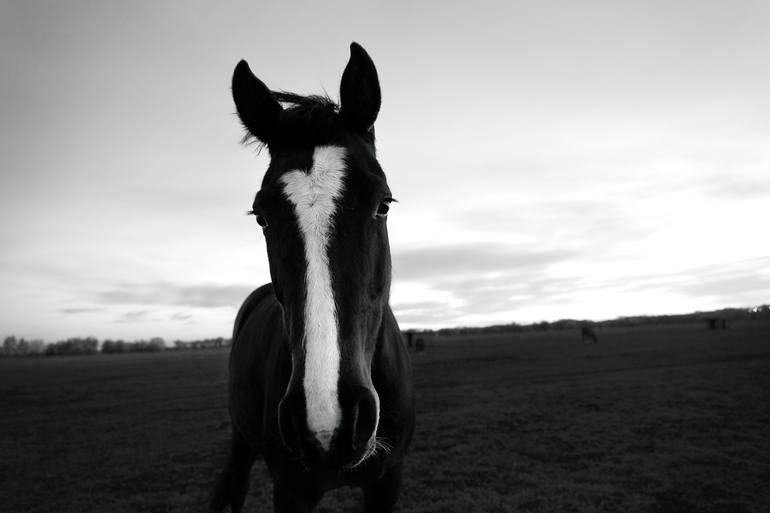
(320,379)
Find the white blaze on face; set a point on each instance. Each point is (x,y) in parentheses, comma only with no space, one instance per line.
(314,195)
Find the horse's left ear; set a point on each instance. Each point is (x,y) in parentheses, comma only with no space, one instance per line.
(258,110)
(360,91)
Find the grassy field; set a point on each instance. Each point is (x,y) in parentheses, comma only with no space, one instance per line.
(658,419)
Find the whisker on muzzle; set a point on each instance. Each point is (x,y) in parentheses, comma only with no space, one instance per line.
(381,445)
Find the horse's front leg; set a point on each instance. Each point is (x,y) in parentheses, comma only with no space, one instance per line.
(233,484)
(381,496)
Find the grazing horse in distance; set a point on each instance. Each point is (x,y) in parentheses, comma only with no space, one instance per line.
(320,381)
(588,335)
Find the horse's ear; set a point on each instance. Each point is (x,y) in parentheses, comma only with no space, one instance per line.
(258,110)
(359,91)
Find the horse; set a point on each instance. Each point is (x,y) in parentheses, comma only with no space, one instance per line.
(320,379)
(588,335)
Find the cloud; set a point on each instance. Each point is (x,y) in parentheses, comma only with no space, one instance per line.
(490,299)
(745,280)
(487,285)
(437,316)
(79,310)
(136,316)
(590,223)
(723,186)
(461,260)
(173,294)
(180,316)
(488,281)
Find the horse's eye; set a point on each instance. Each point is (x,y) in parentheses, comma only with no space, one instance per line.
(261,220)
(383,209)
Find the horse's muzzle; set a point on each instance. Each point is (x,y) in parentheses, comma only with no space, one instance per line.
(351,442)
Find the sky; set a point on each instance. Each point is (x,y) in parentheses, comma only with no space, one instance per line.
(551,159)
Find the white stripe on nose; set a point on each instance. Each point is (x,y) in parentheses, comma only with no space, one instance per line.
(314,196)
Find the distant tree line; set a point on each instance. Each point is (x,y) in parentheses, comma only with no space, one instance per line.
(140,346)
(13,346)
(22,347)
(731,314)
(206,343)
(73,346)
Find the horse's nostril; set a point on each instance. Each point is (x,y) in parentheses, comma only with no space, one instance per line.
(364,420)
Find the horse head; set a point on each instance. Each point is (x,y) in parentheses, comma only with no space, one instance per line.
(322,208)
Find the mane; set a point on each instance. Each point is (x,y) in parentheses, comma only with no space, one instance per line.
(305,120)
(305,105)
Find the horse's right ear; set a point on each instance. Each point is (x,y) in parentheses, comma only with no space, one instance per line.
(258,110)
(360,91)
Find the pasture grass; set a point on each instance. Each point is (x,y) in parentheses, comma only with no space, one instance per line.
(650,419)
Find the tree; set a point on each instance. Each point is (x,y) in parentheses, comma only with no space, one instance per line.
(10,345)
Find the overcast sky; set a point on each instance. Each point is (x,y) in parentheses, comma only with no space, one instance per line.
(551,159)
